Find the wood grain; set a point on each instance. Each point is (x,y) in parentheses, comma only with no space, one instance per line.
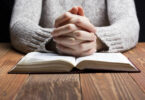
(51,87)
(9,60)
(137,56)
(117,86)
(94,86)
(4,48)
(9,83)
(110,86)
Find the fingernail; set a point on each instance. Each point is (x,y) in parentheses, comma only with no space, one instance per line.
(73,39)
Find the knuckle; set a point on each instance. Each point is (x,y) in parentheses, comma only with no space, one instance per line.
(86,19)
(71,26)
(78,34)
(72,41)
(67,15)
(79,20)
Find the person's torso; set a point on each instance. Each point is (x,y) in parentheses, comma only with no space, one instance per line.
(95,10)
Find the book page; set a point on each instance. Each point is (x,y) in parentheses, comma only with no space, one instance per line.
(39,58)
(106,57)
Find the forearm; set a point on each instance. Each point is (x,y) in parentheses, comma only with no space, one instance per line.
(120,36)
(122,33)
(27,36)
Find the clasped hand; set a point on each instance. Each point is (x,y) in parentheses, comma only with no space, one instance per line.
(74,34)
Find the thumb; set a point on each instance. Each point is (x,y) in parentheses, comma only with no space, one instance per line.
(80,11)
(74,10)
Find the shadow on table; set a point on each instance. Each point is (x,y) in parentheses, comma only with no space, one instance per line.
(76,71)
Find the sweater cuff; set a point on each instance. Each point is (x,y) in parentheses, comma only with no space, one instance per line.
(111,38)
(41,38)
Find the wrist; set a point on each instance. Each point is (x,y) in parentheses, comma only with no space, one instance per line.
(100,45)
(51,45)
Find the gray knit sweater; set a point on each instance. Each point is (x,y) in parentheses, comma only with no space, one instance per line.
(33,21)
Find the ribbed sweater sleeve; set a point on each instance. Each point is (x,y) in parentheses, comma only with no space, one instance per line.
(26,34)
(123,31)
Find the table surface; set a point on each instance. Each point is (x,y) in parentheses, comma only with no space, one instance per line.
(84,86)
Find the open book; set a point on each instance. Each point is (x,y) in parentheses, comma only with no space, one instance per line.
(36,62)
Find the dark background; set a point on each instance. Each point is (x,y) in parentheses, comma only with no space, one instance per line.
(6,8)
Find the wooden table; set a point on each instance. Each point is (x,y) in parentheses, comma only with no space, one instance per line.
(85,86)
